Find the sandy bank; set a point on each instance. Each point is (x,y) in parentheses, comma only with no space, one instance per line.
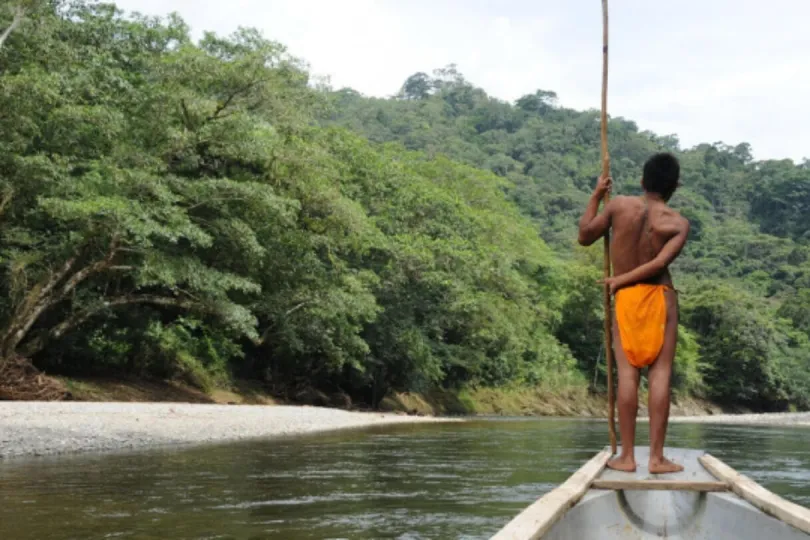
(36,429)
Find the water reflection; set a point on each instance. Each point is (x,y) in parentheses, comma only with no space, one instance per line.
(405,482)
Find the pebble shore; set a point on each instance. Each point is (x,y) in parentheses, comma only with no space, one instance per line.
(762,419)
(48,428)
(30,429)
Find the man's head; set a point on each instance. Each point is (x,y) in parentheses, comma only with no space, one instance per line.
(661,174)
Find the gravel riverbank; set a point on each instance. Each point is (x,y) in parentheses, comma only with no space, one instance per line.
(37,429)
(768,419)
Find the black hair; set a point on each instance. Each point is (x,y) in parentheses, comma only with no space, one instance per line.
(661,174)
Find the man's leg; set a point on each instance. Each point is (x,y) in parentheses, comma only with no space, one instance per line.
(628,406)
(659,381)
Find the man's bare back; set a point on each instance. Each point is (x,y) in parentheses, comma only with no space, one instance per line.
(639,231)
(647,236)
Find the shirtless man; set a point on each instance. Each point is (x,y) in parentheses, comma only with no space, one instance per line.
(647,235)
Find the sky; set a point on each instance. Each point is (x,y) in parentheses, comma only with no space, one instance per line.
(726,71)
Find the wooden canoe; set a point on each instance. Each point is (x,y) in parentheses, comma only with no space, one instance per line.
(707,501)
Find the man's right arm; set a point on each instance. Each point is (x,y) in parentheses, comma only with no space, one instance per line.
(592,224)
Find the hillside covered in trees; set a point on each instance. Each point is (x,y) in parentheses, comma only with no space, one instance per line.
(204,212)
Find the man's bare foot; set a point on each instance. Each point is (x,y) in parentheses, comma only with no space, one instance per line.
(664,466)
(622,463)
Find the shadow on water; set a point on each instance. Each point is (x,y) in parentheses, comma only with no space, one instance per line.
(405,482)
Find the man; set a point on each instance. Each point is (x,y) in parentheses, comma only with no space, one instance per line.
(647,235)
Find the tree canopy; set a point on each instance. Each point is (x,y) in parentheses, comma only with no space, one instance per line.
(205,211)
(742,277)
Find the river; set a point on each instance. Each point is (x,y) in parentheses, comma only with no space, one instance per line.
(408,482)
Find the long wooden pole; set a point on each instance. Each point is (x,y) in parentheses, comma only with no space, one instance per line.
(606,172)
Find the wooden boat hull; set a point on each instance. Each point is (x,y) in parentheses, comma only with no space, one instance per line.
(666,508)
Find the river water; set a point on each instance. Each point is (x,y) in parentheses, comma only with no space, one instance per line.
(436,481)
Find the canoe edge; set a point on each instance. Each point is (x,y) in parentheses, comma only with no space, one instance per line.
(537,519)
(764,500)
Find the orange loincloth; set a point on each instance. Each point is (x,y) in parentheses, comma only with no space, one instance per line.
(641,314)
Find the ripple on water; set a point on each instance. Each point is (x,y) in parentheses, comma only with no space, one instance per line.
(453,481)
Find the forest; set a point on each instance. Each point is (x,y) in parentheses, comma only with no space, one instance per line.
(208,211)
